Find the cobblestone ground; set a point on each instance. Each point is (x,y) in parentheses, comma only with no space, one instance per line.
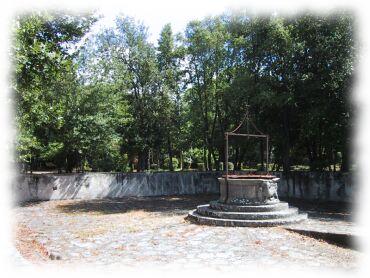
(152,230)
(329,217)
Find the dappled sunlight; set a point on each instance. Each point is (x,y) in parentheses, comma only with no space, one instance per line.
(133,230)
(134,205)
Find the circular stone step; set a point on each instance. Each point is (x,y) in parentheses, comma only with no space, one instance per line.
(194,217)
(205,210)
(234,208)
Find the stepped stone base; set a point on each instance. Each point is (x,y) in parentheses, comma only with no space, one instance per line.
(194,217)
(247,203)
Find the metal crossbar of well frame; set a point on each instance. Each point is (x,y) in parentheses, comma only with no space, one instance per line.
(234,133)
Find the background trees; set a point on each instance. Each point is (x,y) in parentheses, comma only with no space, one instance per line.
(45,88)
(117,102)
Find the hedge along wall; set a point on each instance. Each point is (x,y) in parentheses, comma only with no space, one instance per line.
(323,186)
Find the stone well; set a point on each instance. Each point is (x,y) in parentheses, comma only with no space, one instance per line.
(247,201)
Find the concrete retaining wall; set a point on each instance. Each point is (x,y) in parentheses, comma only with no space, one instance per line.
(111,185)
(306,185)
(318,186)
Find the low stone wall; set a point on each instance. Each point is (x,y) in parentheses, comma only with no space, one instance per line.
(311,186)
(34,187)
(318,186)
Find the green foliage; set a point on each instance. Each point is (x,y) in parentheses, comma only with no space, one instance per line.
(201,166)
(230,166)
(187,165)
(175,163)
(119,102)
(193,155)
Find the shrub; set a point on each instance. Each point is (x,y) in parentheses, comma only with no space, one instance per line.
(230,166)
(187,165)
(200,166)
(175,163)
(154,166)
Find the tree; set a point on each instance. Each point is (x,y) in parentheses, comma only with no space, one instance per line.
(114,99)
(169,58)
(43,80)
(207,50)
(123,56)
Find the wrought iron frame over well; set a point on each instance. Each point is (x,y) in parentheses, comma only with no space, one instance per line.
(234,133)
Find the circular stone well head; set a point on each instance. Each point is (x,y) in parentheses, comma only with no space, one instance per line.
(249,189)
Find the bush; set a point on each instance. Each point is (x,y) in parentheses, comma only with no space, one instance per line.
(200,166)
(154,166)
(193,155)
(175,163)
(230,166)
(187,165)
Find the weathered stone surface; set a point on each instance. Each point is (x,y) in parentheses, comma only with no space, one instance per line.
(248,208)
(205,210)
(243,199)
(318,186)
(89,186)
(137,231)
(312,186)
(248,191)
(197,218)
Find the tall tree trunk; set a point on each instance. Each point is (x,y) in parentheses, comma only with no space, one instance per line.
(169,146)
(209,158)
(262,157)
(31,168)
(205,161)
(286,145)
(148,160)
(221,153)
(217,166)
(142,161)
(181,160)
(158,158)
(345,159)
(237,152)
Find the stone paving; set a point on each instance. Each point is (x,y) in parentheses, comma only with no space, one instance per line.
(138,231)
(326,217)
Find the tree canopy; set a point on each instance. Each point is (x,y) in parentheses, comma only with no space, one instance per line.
(113,101)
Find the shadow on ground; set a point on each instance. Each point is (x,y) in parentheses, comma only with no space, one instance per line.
(28,203)
(326,216)
(326,211)
(329,211)
(170,204)
(333,222)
